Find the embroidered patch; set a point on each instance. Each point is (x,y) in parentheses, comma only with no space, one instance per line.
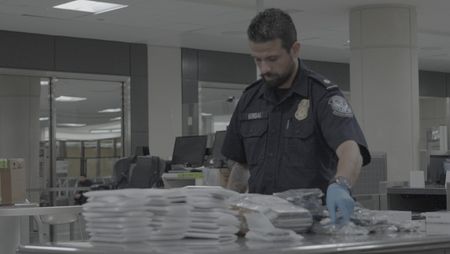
(340,106)
(302,110)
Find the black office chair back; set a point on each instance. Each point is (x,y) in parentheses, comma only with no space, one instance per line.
(147,172)
(121,173)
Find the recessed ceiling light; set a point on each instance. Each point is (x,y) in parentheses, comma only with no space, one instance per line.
(116,118)
(44,82)
(69,98)
(110,110)
(95,7)
(45,118)
(97,131)
(71,124)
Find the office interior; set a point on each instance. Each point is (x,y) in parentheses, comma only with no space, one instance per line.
(81,92)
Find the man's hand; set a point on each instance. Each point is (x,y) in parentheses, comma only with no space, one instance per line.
(338,198)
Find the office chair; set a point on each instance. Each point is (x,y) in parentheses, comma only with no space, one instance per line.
(147,172)
(120,175)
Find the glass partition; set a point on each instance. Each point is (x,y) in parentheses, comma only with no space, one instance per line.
(217,102)
(88,119)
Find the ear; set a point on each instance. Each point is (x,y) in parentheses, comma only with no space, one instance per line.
(295,50)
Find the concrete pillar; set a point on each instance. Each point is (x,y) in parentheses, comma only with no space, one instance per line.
(384,83)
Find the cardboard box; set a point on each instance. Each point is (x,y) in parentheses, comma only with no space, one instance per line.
(12,181)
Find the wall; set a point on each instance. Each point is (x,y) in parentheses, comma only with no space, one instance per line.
(66,54)
(28,51)
(164,93)
(214,66)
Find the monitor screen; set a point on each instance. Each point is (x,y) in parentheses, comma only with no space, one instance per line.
(217,156)
(189,150)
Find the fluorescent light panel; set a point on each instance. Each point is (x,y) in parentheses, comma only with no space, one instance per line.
(71,124)
(116,118)
(45,118)
(110,110)
(95,7)
(69,98)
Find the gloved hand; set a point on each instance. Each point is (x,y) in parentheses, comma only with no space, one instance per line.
(338,197)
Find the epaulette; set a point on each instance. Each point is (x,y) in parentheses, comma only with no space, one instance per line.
(257,82)
(326,83)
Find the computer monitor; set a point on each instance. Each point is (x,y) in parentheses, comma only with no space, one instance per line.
(217,156)
(189,150)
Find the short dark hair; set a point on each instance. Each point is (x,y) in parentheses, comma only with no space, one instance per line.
(272,24)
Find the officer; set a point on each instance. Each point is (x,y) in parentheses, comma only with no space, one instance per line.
(293,128)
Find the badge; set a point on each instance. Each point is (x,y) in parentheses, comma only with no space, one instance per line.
(340,106)
(302,110)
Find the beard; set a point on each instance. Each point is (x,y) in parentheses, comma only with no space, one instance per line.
(275,80)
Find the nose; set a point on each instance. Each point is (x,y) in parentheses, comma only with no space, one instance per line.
(264,68)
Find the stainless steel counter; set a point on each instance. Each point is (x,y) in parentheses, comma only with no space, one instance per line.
(378,243)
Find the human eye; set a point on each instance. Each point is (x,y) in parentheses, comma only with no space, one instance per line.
(272,58)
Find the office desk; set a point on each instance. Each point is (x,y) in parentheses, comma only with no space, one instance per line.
(10,222)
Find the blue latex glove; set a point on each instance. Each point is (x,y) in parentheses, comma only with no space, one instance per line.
(338,198)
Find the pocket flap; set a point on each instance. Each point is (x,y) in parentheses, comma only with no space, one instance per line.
(255,128)
(300,129)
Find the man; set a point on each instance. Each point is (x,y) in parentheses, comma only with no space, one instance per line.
(293,128)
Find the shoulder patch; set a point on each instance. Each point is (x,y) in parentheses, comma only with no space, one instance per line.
(340,106)
(254,84)
(326,83)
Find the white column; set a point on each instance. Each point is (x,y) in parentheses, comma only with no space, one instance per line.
(384,83)
(164,99)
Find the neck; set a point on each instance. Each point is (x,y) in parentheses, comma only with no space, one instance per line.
(288,82)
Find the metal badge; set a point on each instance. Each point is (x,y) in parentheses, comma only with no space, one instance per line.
(340,106)
(302,110)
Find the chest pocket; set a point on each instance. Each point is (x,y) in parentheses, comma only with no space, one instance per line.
(300,143)
(254,134)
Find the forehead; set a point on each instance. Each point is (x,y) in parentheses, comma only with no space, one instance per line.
(263,49)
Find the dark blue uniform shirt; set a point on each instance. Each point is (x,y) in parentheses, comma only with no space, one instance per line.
(290,143)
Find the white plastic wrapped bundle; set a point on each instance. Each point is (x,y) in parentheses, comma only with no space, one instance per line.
(211,217)
(280,212)
(135,215)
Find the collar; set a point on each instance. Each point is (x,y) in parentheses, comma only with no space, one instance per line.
(299,85)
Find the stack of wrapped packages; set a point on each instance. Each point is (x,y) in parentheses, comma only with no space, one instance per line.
(271,218)
(138,215)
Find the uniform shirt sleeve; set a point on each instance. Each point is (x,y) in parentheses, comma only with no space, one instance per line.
(338,123)
(233,147)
